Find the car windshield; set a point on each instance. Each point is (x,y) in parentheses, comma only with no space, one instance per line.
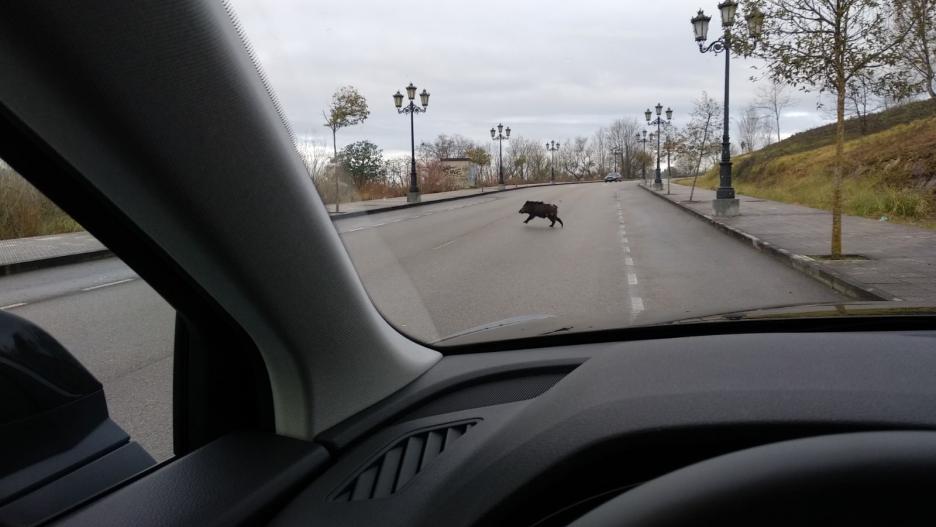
(506,169)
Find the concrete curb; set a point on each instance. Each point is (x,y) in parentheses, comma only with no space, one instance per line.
(443,200)
(801,263)
(55,261)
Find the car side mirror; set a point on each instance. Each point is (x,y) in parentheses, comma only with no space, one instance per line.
(53,416)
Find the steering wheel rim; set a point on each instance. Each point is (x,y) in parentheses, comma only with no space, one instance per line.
(866,478)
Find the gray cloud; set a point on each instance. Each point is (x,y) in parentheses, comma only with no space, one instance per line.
(548,70)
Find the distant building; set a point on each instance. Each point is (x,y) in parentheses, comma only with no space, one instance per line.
(463,169)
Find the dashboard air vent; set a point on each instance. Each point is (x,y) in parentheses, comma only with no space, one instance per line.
(399,463)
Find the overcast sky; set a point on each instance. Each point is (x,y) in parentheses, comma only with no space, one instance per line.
(549,70)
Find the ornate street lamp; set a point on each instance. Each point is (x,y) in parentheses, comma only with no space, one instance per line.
(657,182)
(615,152)
(500,137)
(725,203)
(552,147)
(412,110)
(643,160)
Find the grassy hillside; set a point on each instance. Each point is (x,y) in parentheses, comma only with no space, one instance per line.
(873,123)
(891,171)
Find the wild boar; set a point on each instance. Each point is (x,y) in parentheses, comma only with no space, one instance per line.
(538,209)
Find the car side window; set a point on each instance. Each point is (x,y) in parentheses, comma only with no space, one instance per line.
(60,278)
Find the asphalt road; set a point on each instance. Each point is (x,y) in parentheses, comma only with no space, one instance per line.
(121,331)
(624,257)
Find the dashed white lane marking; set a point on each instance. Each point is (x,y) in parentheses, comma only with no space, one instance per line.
(356,229)
(118,282)
(444,245)
(637,304)
(11,306)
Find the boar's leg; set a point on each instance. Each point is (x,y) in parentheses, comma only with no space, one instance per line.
(528,219)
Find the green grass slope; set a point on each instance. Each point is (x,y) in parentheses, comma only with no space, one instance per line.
(890,172)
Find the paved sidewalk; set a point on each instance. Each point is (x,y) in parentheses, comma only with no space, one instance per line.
(24,254)
(901,259)
(354,208)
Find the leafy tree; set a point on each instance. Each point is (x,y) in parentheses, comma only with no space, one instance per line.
(823,45)
(363,161)
(348,108)
(480,157)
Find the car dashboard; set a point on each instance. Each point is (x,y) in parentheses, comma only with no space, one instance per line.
(539,437)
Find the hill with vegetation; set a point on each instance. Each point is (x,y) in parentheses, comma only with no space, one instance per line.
(890,172)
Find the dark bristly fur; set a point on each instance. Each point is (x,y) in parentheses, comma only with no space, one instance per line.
(538,209)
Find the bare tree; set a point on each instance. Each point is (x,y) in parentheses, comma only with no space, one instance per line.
(750,127)
(772,98)
(601,150)
(577,158)
(620,136)
(862,99)
(314,155)
(397,171)
(524,158)
(445,147)
(917,18)
(698,138)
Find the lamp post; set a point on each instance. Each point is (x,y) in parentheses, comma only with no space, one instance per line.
(413,196)
(499,136)
(725,203)
(657,182)
(552,147)
(643,157)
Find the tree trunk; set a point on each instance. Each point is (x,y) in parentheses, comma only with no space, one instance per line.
(335,160)
(839,167)
(923,29)
(701,155)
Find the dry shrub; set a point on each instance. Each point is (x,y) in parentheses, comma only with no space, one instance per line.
(24,211)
